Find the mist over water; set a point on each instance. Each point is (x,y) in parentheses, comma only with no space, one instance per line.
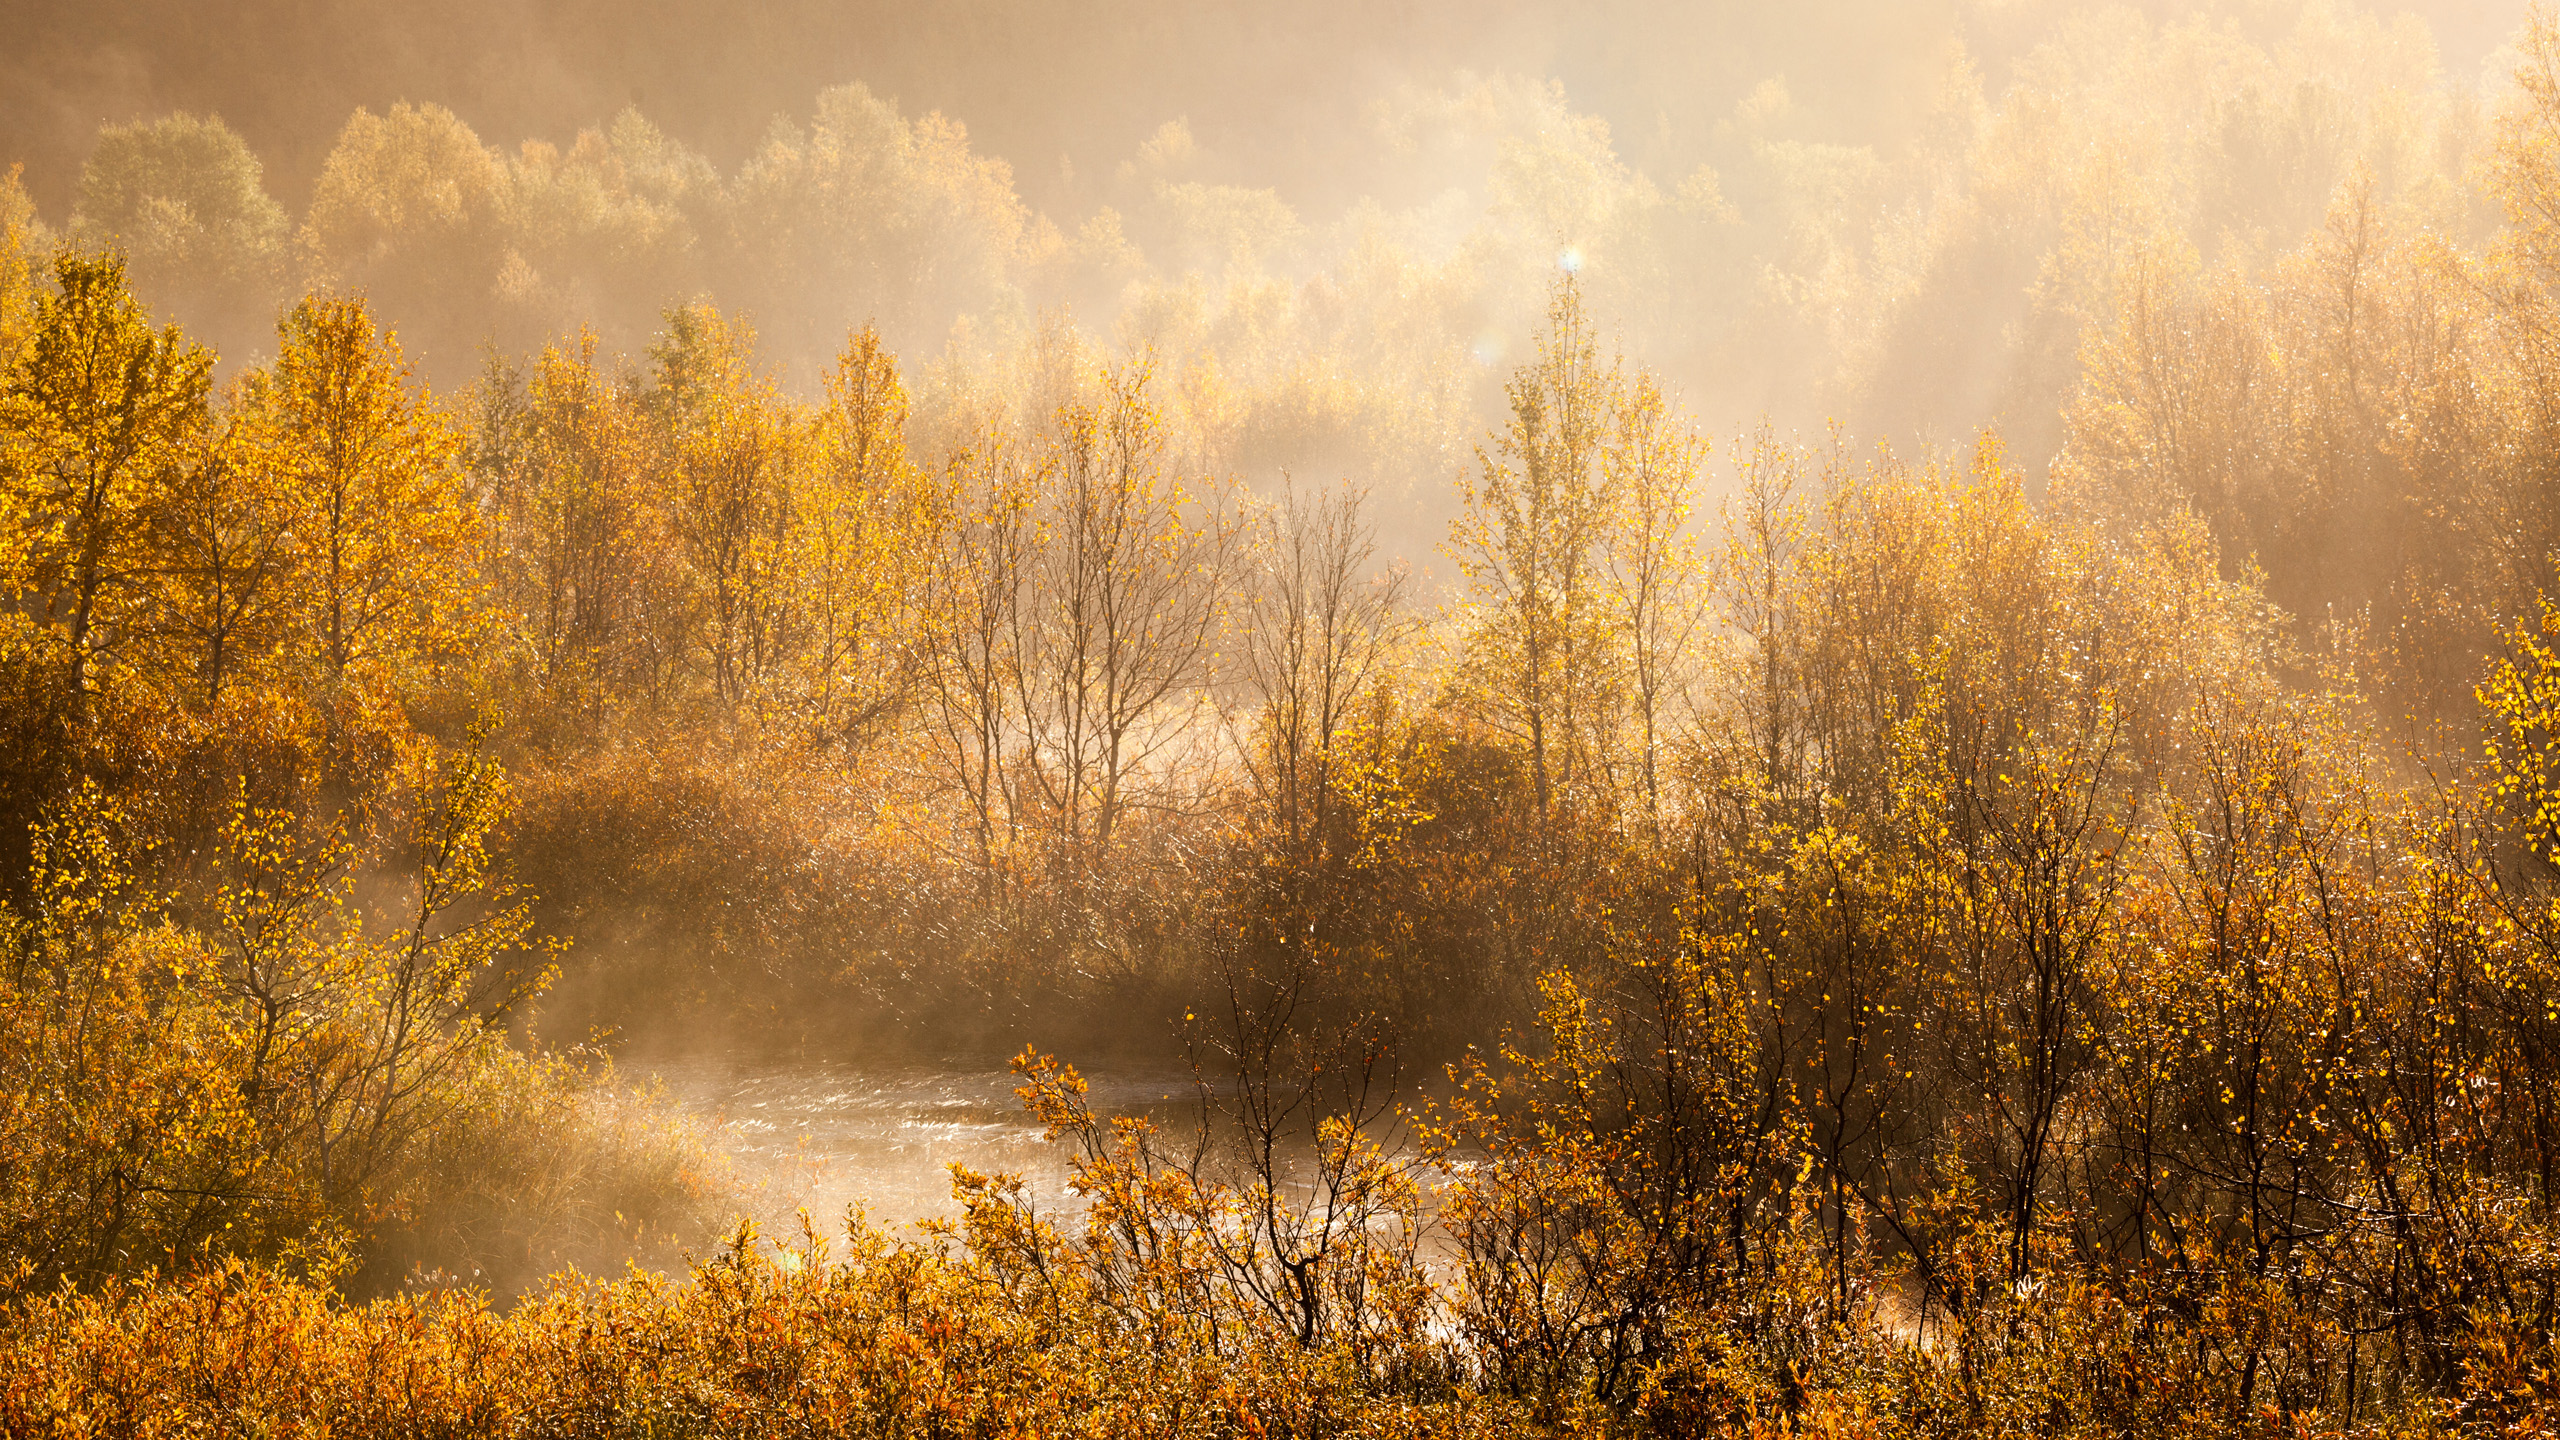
(829,1136)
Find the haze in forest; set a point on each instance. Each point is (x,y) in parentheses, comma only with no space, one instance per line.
(1330,224)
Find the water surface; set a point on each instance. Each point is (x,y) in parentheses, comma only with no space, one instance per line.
(829,1136)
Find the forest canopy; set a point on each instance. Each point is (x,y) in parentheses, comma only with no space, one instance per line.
(1912,235)
(1899,780)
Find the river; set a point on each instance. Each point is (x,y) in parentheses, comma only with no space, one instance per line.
(829,1136)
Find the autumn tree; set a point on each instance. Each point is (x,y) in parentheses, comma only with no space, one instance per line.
(225,542)
(731,451)
(1653,572)
(410,207)
(879,214)
(93,421)
(22,246)
(383,530)
(1117,630)
(186,202)
(868,520)
(982,566)
(582,556)
(1321,624)
(1528,538)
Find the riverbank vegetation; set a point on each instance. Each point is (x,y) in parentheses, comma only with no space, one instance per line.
(1754,935)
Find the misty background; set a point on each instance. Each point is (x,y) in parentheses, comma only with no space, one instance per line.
(1333,223)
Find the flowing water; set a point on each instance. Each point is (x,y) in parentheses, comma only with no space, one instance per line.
(831,1136)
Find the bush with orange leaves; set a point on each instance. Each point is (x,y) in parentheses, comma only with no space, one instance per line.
(1147,1315)
(995,1327)
(287,1080)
